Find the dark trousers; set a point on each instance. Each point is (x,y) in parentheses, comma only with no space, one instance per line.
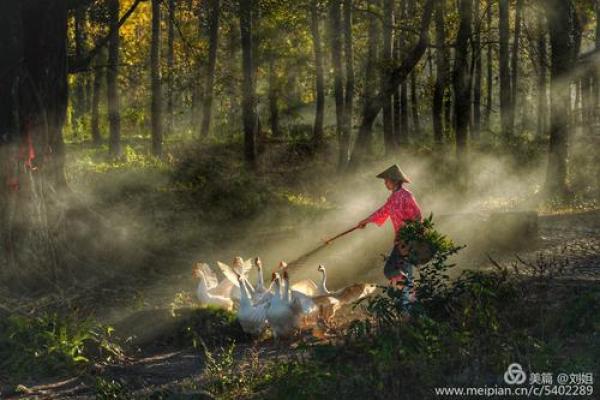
(396,266)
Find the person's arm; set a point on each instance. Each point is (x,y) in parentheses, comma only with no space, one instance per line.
(378,217)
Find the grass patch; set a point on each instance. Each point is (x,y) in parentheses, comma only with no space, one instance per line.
(51,344)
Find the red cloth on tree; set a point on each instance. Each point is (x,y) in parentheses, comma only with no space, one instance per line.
(399,207)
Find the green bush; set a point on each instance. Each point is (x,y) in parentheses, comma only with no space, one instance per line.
(221,186)
(51,344)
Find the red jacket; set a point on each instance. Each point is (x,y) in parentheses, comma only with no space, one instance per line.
(400,206)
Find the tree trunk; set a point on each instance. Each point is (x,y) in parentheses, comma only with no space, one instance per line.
(386,60)
(403,43)
(560,28)
(99,75)
(198,74)
(414,95)
(112,91)
(441,70)
(365,137)
(489,66)
(542,96)
(462,93)
(248,87)
(596,94)
(515,61)
(338,73)
(80,79)
(577,33)
(33,107)
(273,95)
(475,134)
(349,92)
(213,40)
(414,102)
(319,78)
(170,64)
(11,135)
(505,89)
(396,107)
(156,107)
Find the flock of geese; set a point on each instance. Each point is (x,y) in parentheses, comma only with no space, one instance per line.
(283,307)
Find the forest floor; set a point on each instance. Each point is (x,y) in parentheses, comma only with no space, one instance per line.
(572,240)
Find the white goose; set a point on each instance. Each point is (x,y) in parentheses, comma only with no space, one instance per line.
(210,291)
(253,318)
(330,302)
(301,302)
(261,294)
(282,318)
(260,280)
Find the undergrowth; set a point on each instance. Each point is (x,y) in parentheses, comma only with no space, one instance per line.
(53,344)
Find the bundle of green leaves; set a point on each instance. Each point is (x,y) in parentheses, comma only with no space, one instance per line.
(423,242)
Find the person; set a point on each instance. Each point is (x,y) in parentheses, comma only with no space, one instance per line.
(400,207)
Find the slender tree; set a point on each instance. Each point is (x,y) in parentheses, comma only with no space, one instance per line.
(80,79)
(402,46)
(542,97)
(559,19)
(596,94)
(112,91)
(489,81)
(349,92)
(99,75)
(338,73)
(441,70)
(213,39)
(155,76)
(386,64)
(248,87)
(414,95)
(319,74)
(515,61)
(273,96)
(477,78)
(364,139)
(505,89)
(170,63)
(462,98)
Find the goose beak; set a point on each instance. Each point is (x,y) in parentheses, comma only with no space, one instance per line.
(321,268)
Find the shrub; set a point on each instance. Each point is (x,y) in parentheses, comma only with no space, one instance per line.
(51,344)
(221,186)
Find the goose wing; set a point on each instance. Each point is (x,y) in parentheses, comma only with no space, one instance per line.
(354,292)
(306,286)
(223,288)
(209,276)
(229,273)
